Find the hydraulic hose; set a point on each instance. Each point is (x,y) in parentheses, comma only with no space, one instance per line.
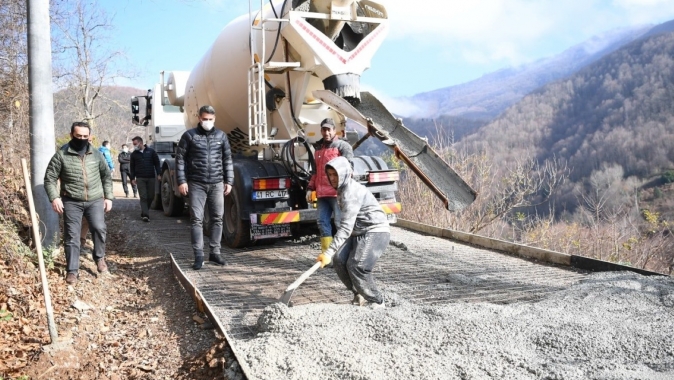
(291,165)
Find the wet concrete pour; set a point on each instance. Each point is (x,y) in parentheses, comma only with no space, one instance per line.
(453,312)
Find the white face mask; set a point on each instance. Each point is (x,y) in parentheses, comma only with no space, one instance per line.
(125,150)
(207,124)
(136,147)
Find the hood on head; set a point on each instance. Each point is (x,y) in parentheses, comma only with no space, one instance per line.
(342,167)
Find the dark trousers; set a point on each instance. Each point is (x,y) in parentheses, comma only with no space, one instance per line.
(356,259)
(146,194)
(201,194)
(73,211)
(125,176)
(84,232)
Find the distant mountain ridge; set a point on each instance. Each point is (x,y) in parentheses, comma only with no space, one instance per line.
(486,97)
(616,112)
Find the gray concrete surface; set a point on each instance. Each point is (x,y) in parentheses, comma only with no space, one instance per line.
(610,326)
(453,312)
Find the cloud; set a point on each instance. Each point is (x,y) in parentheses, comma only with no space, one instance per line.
(402,107)
(514,31)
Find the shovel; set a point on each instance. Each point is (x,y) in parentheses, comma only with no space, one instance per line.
(285,298)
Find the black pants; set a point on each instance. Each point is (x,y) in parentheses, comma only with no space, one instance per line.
(356,259)
(125,176)
(146,192)
(73,211)
(213,195)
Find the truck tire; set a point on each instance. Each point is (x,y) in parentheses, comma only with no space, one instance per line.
(172,204)
(235,230)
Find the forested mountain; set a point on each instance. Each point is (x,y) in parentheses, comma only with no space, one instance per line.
(617,111)
(486,97)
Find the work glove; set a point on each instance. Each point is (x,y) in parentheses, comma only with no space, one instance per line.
(309,196)
(324,259)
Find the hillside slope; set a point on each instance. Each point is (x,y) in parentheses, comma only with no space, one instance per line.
(112,112)
(617,111)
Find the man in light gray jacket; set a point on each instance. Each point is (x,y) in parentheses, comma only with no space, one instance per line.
(362,235)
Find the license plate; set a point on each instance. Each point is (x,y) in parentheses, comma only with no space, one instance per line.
(270,194)
(260,231)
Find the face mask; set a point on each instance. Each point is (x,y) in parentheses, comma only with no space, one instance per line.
(125,150)
(136,147)
(78,144)
(207,124)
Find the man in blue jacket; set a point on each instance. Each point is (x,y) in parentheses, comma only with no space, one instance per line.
(105,150)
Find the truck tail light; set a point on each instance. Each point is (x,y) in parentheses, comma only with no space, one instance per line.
(383,176)
(392,208)
(271,183)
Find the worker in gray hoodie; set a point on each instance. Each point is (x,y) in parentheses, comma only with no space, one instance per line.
(362,235)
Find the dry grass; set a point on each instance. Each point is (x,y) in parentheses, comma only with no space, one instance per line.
(637,238)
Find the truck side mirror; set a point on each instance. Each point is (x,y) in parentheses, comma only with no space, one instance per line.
(135,106)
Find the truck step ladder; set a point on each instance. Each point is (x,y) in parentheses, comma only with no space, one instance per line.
(257,115)
(257,102)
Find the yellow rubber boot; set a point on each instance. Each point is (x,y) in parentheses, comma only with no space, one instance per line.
(325,243)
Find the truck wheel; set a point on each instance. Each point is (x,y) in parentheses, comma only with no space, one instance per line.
(156,200)
(235,230)
(172,204)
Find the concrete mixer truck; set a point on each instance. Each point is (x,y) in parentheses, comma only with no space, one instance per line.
(272,76)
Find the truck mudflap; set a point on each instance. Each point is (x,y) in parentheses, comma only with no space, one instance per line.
(436,174)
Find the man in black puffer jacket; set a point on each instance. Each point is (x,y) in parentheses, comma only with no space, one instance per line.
(205,172)
(124,159)
(144,173)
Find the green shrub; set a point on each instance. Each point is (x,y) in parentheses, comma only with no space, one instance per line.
(668,177)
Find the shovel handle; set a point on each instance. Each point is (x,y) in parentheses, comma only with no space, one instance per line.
(303,277)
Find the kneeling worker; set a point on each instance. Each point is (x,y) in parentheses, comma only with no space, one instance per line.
(362,235)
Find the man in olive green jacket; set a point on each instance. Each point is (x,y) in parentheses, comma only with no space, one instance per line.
(85,190)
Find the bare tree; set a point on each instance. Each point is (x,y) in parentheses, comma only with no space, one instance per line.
(522,183)
(84,63)
(13,76)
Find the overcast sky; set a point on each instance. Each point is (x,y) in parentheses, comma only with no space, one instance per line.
(432,43)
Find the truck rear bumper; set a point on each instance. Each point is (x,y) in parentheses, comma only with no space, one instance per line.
(284,217)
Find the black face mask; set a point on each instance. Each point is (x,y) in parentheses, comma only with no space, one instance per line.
(78,144)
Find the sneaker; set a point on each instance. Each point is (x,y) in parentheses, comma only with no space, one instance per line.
(127,194)
(135,195)
(376,306)
(145,219)
(71,278)
(358,300)
(217,259)
(101,266)
(198,262)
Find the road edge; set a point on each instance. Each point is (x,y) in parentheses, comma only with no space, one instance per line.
(548,256)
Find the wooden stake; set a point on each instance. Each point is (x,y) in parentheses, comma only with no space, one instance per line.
(53,334)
